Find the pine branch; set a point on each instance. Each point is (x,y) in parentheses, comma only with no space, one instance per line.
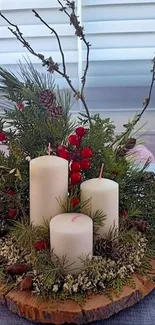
(130,126)
(98,218)
(32,77)
(52,66)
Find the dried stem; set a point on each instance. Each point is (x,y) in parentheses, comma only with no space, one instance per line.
(57,37)
(79,31)
(52,66)
(146,102)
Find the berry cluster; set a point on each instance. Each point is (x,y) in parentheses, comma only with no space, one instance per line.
(76,154)
(3,136)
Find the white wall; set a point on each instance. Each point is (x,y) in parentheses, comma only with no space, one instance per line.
(122,34)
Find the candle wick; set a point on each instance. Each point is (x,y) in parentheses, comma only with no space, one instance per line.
(101,171)
(49,149)
(77,216)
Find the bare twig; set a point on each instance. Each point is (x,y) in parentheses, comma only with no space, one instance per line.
(18,35)
(79,31)
(57,37)
(52,66)
(130,126)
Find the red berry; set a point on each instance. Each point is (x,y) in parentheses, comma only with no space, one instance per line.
(10,192)
(20,106)
(75,202)
(85,164)
(60,148)
(73,139)
(81,131)
(116,172)
(64,154)
(124,213)
(40,245)
(75,166)
(3,136)
(12,214)
(86,152)
(75,178)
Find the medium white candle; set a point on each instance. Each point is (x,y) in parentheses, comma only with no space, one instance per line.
(71,235)
(104,196)
(48,184)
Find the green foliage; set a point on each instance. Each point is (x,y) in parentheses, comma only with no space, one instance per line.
(98,274)
(98,221)
(24,233)
(31,126)
(27,235)
(50,266)
(137,189)
(99,137)
(10,86)
(11,168)
(101,132)
(118,284)
(34,79)
(64,99)
(27,86)
(51,275)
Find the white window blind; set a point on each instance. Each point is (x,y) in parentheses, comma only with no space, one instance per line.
(122,34)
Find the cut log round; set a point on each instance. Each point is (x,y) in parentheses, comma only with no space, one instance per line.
(96,307)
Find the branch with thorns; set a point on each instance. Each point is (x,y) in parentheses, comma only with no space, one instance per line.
(51,65)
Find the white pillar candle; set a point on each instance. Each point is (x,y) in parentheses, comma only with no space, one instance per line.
(48,184)
(104,196)
(71,235)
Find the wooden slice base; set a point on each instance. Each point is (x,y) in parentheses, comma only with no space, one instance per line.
(96,307)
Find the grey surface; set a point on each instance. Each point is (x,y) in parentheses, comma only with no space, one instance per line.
(142,313)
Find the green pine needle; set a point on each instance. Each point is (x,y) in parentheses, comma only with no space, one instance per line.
(24,233)
(27,235)
(98,220)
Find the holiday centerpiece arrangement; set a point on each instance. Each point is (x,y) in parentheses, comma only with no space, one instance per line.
(77,215)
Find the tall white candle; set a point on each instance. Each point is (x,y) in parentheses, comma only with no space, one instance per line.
(104,196)
(71,235)
(48,184)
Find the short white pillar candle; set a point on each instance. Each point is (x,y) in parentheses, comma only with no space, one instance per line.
(48,184)
(104,196)
(71,235)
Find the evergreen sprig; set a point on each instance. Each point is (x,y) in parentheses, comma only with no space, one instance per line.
(26,234)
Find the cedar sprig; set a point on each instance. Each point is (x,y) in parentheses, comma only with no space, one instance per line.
(118,284)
